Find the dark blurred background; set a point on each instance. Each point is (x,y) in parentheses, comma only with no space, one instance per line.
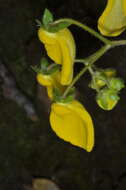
(29,149)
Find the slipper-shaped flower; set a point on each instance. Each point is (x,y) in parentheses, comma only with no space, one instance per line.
(50,81)
(72,123)
(112,22)
(60,47)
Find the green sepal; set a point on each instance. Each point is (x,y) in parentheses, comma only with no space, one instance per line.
(44,64)
(39,24)
(55,27)
(54,69)
(49,24)
(42,67)
(70,96)
(47,18)
(57,95)
(35,68)
(45,67)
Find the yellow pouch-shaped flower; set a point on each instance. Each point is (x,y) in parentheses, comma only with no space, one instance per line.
(113,20)
(72,123)
(50,81)
(60,47)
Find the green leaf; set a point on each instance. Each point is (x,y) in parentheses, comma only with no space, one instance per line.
(47,18)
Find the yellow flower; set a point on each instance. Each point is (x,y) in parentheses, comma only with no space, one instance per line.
(113,20)
(50,81)
(72,123)
(60,47)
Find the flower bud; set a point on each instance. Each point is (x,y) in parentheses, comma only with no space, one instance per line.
(107,99)
(116,84)
(98,80)
(109,72)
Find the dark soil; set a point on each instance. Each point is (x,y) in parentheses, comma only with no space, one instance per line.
(31,149)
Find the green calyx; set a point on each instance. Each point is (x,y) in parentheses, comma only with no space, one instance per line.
(98,80)
(50,25)
(102,78)
(57,95)
(45,67)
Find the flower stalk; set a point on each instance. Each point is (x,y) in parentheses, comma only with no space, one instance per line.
(89,61)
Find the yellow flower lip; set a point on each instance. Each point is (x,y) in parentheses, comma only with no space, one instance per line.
(60,47)
(112,22)
(72,123)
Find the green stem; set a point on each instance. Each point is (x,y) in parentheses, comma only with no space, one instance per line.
(80,60)
(74,81)
(85,27)
(89,62)
(118,43)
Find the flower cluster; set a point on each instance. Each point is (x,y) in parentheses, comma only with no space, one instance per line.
(108,87)
(68,118)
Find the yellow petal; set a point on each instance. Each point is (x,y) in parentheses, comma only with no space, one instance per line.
(72,123)
(45,80)
(68,55)
(50,92)
(46,37)
(51,45)
(113,20)
(50,81)
(89,124)
(54,52)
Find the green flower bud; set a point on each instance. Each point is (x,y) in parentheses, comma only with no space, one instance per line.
(109,72)
(116,84)
(107,99)
(97,83)
(98,80)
